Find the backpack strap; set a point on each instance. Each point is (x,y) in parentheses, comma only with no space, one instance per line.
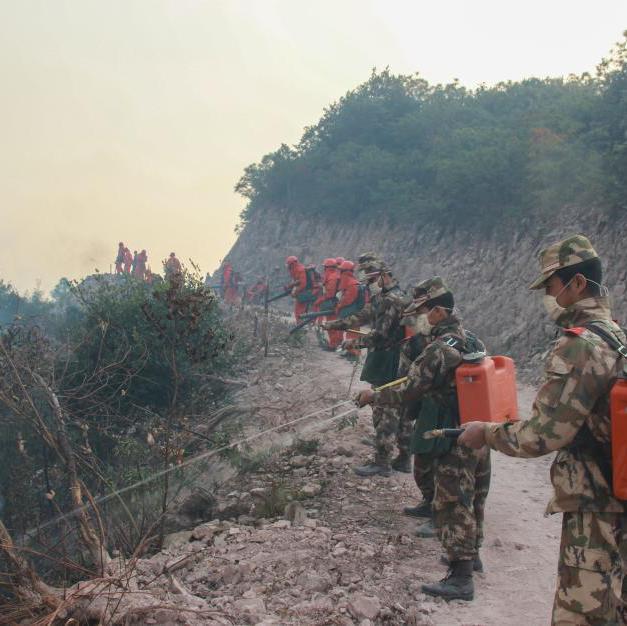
(455,342)
(584,439)
(470,351)
(609,339)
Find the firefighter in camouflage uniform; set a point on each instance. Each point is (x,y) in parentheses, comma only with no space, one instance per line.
(461,474)
(383,313)
(571,415)
(412,348)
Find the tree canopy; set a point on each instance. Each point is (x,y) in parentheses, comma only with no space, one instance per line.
(399,148)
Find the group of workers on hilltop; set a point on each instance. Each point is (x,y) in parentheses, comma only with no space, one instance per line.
(136,264)
(421,337)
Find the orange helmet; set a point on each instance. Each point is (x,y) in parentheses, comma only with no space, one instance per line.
(340,260)
(329,263)
(290,260)
(347,266)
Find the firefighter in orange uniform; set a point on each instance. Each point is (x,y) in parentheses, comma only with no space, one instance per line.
(328,299)
(301,291)
(139,271)
(229,285)
(128,260)
(119,259)
(349,302)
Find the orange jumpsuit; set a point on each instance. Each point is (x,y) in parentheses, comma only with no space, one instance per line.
(128,261)
(299,276)
(140,265)
(228,285)
(330,284)
(349,286)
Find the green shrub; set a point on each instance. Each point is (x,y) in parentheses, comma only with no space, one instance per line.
(398,149)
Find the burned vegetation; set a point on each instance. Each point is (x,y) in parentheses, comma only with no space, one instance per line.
(105,393)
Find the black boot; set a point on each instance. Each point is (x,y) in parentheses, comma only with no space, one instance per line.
(477,564)
(372,469)
(402,463)
(420,510)
(457,585)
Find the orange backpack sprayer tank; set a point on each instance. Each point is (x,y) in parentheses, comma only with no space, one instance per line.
(618,411)
(618,414)
(486,390)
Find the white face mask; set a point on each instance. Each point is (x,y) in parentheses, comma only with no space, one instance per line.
(422,326)
(551,305)
(374,288)
(555,310)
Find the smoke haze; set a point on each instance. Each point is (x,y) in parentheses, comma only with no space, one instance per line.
(132,121)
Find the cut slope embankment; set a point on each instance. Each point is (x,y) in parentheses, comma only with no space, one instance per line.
(488,271)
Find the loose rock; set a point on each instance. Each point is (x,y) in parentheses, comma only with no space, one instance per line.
(364,607)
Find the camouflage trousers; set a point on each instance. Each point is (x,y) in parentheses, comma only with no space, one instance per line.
(462,481)
(385,420)
(403,434)
(591,588)
(423,475)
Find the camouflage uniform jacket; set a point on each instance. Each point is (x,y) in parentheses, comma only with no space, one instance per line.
(433,372)
(580,371)
(383,313)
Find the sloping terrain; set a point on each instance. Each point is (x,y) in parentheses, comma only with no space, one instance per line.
(302,540)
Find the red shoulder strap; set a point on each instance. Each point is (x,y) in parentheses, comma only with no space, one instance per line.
(576,330)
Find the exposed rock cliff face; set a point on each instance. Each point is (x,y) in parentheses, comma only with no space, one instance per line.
(488,272)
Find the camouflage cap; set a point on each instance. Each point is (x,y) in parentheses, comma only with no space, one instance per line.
(565,253)
(434,288)
(367,256)
(375,267)
(429,289)
(420,288)
(368,262)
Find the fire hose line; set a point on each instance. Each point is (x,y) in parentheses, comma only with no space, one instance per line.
(200,457)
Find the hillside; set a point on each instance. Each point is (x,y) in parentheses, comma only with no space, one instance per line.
(440,179)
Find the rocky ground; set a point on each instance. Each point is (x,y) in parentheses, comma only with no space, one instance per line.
(302,540)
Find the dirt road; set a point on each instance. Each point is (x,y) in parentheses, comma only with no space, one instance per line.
(346,555)
(521,544)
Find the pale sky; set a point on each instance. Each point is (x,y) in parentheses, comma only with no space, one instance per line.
(132,119)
